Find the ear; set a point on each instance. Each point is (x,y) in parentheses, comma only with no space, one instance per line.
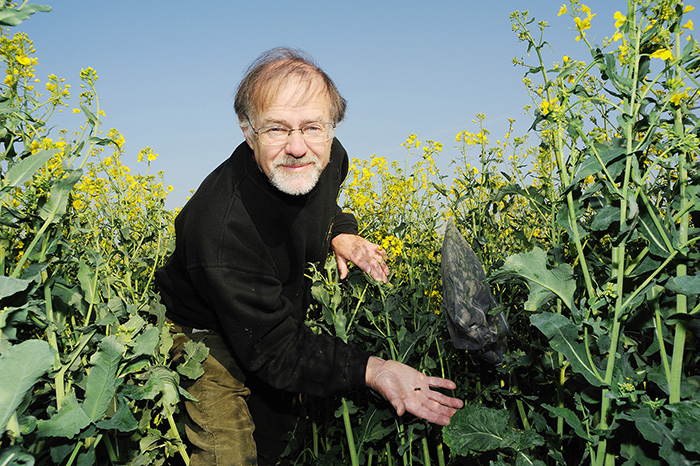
(247,133)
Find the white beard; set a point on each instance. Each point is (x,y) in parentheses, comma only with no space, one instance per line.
(293,183)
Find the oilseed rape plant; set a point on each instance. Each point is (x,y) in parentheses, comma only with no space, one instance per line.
(83,342)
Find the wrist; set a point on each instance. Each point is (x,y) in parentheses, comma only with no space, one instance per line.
(374,365)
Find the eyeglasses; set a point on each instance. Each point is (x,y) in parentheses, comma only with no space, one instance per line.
(276,135)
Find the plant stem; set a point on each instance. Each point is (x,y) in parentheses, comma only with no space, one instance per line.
(348,433)
(681,269)
(426,452)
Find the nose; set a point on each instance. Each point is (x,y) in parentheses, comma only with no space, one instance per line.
(296,146)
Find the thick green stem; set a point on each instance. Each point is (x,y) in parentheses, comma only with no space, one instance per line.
(176,434)
(348,433)
(681,269)
(426,452)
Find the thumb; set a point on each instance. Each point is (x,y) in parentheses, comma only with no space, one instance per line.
(342,266)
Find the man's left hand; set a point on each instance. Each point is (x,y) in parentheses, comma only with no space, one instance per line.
(409,390)
(364,254)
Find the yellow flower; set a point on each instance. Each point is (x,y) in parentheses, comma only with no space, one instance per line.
(562,10)
(688,8)
(619,19)
(676,98)
(689,25)
(76,110)
(664,54)
(23,60)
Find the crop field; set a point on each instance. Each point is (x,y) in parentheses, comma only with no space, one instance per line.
(587,228)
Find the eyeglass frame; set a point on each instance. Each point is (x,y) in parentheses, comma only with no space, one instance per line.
(291,130)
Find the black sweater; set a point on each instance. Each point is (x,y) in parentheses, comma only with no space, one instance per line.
(242,247)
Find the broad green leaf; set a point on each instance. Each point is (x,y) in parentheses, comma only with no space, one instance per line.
(55,207)
(88,282)
(637,455)
(571,419)
(146,342)
(686,423)
(123,420)
(562,334)
(10,286)
(170,387)
(21,366)
(195,354)
(374,425)
(478,428)
(544,283)
(11,17)
(101,382)
(524,459)
(686,284)
(68,422)
(148,391)
(24,170)
(654,232)
(605,217)
(14,456)
(611,155)
(339,323)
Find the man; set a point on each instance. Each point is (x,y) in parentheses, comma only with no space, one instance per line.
(236,278)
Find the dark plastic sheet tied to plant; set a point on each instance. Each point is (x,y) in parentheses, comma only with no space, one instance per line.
(468,302)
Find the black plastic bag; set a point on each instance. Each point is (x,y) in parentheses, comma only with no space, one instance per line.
(467,300)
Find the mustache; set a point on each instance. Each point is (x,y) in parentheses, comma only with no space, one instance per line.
(296,162)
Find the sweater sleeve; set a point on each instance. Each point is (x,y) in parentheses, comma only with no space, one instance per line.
(344,222)
(278,348)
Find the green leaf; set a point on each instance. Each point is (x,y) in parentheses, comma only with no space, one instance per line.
(686,423)
(14,456)
(195,354)
(90,116)
(605,217)
(611,154)
(339,323)
(544,283)
(10,17)
(146,342)
(170,384)
(101,382)
(152,388)
(68,422)
(58,200)
(21,366)
(571,419)
(563,337)
(10,286)
(478,428)
(654,232)
(88,283)
(19,173)
(687,284)
(525,460)
(123,420)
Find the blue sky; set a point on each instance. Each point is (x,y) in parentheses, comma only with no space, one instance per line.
(168,69)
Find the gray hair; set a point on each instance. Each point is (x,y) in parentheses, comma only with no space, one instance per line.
(268,72)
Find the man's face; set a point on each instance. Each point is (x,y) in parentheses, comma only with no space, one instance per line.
(293,167)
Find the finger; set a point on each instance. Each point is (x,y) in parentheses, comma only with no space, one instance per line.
(446,401)
(342,267)
(433,413)
(439,382)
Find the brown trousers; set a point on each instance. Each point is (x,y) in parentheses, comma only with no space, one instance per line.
(220,427)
